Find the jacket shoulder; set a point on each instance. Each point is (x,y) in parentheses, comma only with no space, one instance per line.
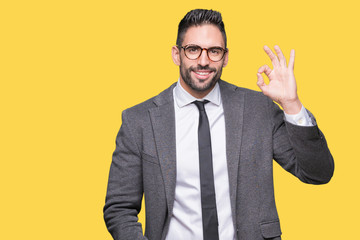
(140,110)
(252,95)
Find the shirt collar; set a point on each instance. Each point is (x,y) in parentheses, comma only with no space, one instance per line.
(183,98)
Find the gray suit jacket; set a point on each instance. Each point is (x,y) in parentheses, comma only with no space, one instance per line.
(144,162)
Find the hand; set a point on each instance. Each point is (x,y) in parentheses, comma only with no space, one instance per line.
(282,85)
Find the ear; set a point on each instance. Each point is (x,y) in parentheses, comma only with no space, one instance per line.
(226,58)
(175,52)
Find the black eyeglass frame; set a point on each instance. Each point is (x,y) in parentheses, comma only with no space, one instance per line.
(202,49)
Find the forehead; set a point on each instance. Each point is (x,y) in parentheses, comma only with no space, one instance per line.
(207,35)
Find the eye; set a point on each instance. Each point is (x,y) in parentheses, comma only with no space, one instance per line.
(192,49)
(215,51)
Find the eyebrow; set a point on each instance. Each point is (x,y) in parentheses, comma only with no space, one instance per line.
(195,45)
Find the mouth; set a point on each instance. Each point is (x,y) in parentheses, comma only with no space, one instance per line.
(202,74)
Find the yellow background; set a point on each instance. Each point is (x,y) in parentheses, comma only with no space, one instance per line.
(69,68)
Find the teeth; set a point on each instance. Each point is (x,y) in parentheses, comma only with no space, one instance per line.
(203,73)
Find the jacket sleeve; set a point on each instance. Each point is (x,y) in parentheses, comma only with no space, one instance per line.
(125,187)
(300,150)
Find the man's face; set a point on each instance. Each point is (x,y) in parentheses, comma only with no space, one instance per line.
(199,76)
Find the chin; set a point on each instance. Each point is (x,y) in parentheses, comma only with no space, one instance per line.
(203,87)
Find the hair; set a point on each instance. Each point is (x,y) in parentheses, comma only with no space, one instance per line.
(198,17)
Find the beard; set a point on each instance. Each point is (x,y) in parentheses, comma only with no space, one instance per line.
(193,83)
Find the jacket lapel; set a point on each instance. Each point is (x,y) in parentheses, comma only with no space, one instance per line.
(163,123)
(233,104)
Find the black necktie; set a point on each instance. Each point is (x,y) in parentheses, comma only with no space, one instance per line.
(208,200)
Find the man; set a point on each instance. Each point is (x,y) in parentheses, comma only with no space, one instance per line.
(201,151)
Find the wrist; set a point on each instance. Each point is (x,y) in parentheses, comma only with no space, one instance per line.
(292,107)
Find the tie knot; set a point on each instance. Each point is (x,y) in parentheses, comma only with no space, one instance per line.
(201,104)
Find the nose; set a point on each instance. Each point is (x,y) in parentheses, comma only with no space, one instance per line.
(203,60)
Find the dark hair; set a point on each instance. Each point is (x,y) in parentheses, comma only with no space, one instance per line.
(198,17)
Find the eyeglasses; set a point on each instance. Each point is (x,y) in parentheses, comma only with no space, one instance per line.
(193,52)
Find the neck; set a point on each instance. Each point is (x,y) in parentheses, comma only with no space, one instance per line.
(195,93)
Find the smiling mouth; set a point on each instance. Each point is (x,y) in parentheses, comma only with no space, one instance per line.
(203,73)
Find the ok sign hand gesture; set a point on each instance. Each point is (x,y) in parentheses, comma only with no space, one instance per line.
(282,85)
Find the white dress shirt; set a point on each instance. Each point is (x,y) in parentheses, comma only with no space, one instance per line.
(186,221)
